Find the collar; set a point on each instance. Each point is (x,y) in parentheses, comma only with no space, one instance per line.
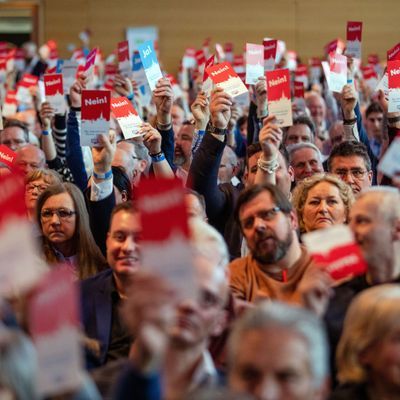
(205,373)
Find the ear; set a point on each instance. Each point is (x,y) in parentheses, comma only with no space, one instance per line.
(245,175)
(220,323)
(294,221)
(142,165)
(370,173)
(396,230)
(124,196)
(291,173)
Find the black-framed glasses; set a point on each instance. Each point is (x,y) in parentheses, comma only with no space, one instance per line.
(265,215)
(62,213)
(30,187)
(357,173)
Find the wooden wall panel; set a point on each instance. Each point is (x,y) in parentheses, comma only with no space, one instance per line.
(306,25)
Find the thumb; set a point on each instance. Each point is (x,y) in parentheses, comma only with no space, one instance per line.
(269,119)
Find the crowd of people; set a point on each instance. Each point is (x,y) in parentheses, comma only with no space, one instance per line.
(269,322)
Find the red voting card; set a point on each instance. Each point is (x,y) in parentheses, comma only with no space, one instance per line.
(337,72)
(53,84)
(278,82)
(354,33)
(335,247)
(28,81)
(225,77)
(12,200)
(7,156)
(127,117)
(279,97)
(163,210)
(123,51)
(331,47)
(200,57)
(301,74)
(373,59)
(95,117)
(209,63)
(393,72)
(10,103)
(299,90)
(90,59)
(270,46)
(54,88)
(394,53)
(124,61)
(393,69)
(254,63)
(54,326)
(96,105)
(165,247)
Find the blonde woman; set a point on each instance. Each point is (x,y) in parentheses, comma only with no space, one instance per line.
(368,355)
(321,201)
(37,182)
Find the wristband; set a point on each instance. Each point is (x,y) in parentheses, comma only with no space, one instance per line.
(217,131)
(268,166)
(349,121)
(163,127)
(76,109)
(130,97)
(45,133)
(107,175)
(393,120)
(157,157)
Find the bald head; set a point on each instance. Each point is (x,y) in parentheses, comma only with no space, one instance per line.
(316,104)
(29,158)
(123,159)
(375,222)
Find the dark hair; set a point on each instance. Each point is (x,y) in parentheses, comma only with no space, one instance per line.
(199,197)
(253,191)
(121,181)
(304,120)
(251,150)
(89,257)
(241,120)
(14,123)
(127,206)
(373,107)
(349,149)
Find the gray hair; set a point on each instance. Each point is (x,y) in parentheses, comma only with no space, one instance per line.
(274,314)
(303,145)
(18,364)
(206,239)
(388,198)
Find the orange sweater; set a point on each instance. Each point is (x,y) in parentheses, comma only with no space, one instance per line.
(249,282)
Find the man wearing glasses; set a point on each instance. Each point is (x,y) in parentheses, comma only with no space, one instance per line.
(277,263)
(350,161)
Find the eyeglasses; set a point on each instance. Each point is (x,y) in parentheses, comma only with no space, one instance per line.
(265,215)
(356,173)
(31,187)
(62,213)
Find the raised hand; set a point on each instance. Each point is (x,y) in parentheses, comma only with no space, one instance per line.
(220,108)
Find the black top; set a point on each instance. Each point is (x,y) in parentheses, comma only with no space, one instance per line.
(120,339)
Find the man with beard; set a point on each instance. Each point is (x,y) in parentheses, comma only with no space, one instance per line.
(183,150)
(276,263)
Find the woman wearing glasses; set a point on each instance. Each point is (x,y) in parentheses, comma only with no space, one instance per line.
(322,200)
(37,182)
(66,237)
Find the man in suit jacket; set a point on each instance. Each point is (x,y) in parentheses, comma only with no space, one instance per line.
(102,294)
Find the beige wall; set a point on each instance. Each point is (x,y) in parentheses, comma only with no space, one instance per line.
(306,25)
